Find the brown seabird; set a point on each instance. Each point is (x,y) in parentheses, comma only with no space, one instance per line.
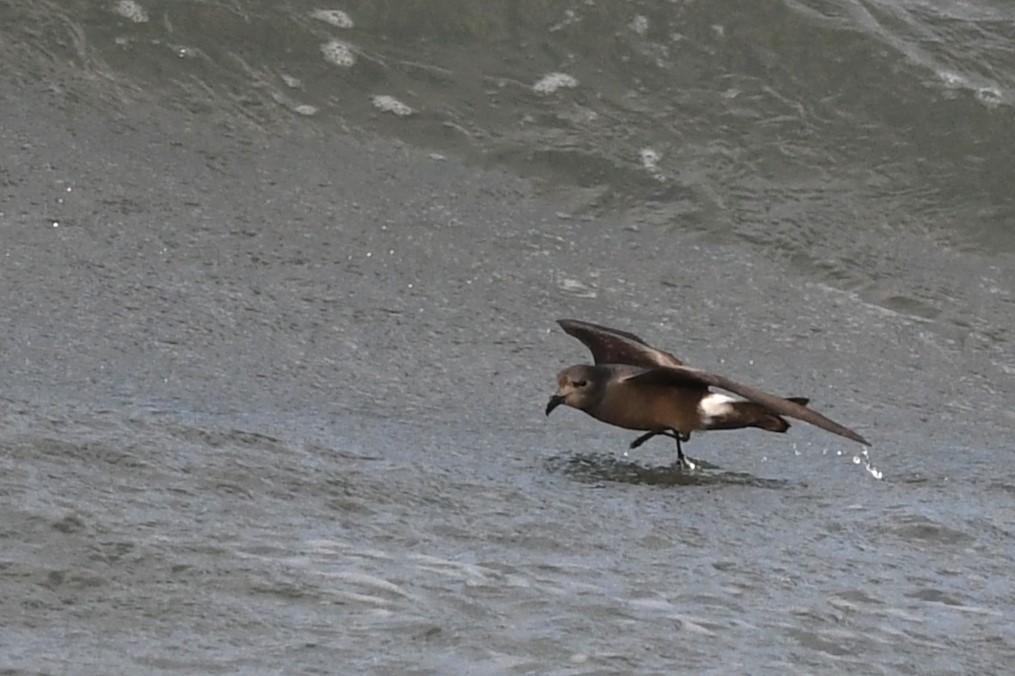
(638,387)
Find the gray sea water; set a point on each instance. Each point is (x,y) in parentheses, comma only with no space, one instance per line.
(279,283)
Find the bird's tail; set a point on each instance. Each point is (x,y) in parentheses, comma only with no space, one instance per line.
(749,414)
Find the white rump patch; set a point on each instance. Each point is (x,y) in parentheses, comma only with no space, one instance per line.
(714,406)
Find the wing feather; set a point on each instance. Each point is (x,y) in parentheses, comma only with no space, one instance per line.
(613,346)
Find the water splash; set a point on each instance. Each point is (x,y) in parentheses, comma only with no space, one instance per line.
(864,458)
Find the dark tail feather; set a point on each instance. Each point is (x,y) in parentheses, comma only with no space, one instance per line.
(772,422)
(749,414)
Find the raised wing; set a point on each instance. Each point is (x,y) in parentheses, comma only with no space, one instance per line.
(612,346)
(682,376)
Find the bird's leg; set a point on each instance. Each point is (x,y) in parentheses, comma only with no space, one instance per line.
(681,458)
(648,435)
(673,434)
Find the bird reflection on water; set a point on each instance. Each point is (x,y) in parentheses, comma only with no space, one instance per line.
(599,468)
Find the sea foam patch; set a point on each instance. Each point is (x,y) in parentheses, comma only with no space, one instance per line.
(335,17)
(650,158)
(131,10)
(551,82)
(389,104)
(338,53)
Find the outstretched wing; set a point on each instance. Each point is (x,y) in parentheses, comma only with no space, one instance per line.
(611,346)
(684,376)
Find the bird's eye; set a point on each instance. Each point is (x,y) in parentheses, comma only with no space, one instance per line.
(579,383)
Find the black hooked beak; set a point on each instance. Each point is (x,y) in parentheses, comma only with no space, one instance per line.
(555,401)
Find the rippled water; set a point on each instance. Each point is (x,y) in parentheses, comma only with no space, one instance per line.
(280,283)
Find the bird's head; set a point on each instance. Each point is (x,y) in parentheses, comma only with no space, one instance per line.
(577,387)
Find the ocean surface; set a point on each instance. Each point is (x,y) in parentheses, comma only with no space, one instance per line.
(278,291)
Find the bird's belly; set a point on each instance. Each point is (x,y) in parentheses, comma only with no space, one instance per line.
(650,408)
(630,420)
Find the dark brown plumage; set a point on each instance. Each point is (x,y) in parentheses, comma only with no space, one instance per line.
(636,386)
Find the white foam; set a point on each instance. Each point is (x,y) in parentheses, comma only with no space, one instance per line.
(131,10)
(338,53)
(390,104)
(335,17)
(553,81)
(650,162)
